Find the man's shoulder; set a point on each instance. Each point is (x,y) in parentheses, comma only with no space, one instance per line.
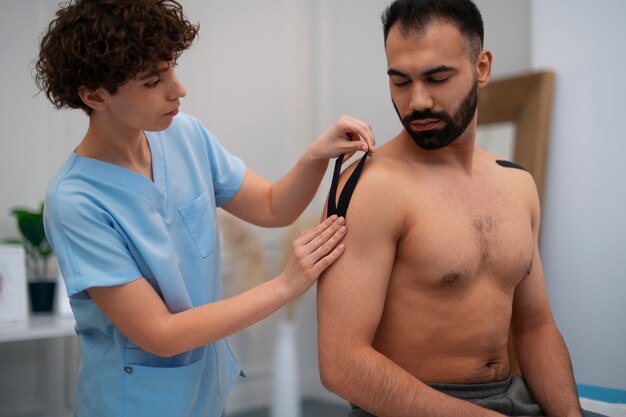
(375,192)
(378,172)
(514,173)
(502,166)
(510,174)
(509,164)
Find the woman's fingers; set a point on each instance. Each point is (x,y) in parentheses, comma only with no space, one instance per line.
(319,242)
(314,251)
(358,131)
(331,222)
(327,245)
(328,239)
(327,260)
(347,135)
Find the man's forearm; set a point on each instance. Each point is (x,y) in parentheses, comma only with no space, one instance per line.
(376,384)
(547,370)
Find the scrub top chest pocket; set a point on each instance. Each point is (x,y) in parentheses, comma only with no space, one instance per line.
(199,219)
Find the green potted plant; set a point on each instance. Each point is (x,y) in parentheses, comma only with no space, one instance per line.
(41,285)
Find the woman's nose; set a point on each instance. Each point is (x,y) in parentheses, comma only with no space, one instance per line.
(178,89)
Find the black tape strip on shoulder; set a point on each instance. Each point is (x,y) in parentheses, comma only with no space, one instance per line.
(341,208)
(509,164)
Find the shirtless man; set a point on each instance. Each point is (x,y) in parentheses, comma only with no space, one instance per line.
(442,256)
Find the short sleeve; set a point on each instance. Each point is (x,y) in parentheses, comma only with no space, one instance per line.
(87,242)
(227,170)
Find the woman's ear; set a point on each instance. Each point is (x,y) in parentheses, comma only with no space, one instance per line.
(94,99)
(483,68)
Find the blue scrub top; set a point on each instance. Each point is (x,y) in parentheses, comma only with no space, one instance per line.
(110,226)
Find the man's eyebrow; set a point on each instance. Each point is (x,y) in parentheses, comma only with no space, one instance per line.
(435,70)
(392,72)
(440,68)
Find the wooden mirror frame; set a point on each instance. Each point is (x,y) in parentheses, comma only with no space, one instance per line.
(525,100)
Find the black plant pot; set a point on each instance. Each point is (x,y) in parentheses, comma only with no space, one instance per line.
(41,296)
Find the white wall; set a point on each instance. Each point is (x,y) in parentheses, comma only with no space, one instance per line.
(33,138)
(584,230)
(507,35)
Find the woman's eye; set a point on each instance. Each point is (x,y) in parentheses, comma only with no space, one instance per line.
(153,83)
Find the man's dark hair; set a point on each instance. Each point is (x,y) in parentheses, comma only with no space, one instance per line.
(414,16)
(105,43)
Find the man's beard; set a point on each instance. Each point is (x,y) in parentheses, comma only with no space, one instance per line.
(453,126)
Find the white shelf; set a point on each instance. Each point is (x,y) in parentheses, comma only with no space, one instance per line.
(38,326)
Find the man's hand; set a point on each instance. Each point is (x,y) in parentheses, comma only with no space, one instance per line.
(346,136)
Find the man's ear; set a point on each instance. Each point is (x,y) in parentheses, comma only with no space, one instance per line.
(483,68)
(94,99)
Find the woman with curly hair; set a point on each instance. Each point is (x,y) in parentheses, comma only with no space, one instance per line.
(131,214)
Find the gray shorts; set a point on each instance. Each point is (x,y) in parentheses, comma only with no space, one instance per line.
(510,397)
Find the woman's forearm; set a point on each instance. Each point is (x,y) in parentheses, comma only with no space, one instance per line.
(290,195)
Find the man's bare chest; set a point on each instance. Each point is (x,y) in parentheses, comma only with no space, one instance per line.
(455,242)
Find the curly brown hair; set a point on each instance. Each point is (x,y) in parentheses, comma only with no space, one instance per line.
(105,43)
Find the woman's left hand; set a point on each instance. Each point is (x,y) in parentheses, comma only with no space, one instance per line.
(346,136)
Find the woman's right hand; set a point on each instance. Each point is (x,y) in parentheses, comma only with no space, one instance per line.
(314,251)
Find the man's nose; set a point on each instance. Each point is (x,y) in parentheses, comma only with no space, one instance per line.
(421,99)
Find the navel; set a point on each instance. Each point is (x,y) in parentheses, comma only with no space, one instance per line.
(492,364)
(496,370)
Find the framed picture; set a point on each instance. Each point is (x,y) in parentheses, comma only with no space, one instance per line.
(13,300)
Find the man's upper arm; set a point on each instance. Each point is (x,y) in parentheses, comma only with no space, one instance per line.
(531,305)
(352,292)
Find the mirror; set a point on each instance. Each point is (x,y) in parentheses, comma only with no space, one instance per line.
(498,138)
(514,120)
